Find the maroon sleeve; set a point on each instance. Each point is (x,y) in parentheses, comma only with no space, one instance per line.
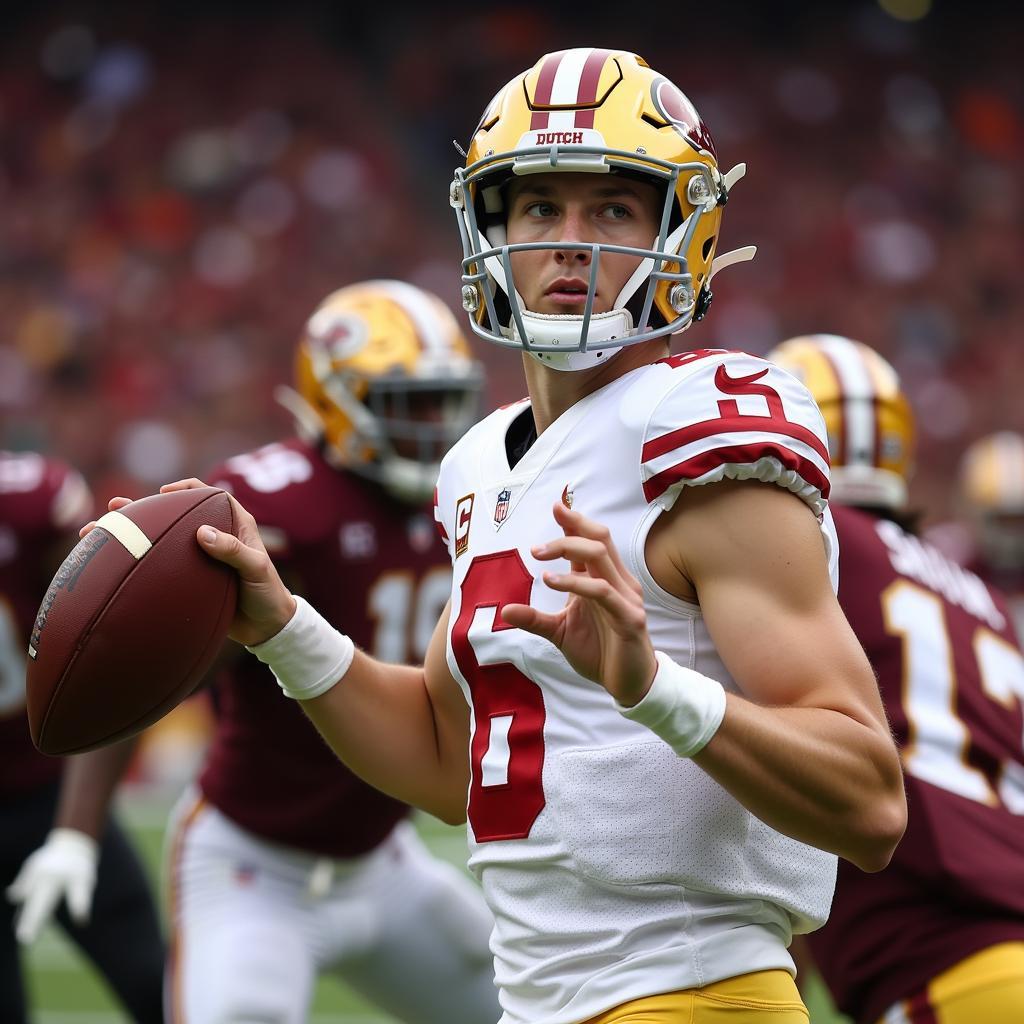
(375,568)
(943,649)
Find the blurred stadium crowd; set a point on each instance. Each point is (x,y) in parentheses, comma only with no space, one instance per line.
(177,193)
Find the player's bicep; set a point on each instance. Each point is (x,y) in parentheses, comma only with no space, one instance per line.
(760,570)
(451,712)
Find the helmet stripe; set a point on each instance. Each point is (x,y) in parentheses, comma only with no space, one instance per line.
(566,87)
(545,83)
(587,92)
(884,385)
(417,308)
(837,445)
(859,413)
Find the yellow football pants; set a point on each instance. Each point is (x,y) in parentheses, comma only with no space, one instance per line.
(759,997)
(986,988)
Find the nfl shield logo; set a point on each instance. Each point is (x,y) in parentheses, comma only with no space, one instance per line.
(501,509)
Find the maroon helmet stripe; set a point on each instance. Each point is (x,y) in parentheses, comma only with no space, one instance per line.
(587,92)
(545,83)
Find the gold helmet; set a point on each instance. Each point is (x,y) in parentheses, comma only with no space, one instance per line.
(384,382)
(868,418)
(599,111)
(992,489)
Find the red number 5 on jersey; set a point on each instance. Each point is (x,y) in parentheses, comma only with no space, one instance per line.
(506,793)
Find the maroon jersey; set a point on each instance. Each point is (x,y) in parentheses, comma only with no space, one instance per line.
(957,542)
(40,501)
(1010,582)
(952,679)
(373,567)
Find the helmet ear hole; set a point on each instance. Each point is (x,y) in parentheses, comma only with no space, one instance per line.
(709,246)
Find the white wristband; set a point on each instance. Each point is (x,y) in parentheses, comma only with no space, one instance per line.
(683,707)
(308,656)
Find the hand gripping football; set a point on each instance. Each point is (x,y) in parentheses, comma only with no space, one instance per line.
(130,623)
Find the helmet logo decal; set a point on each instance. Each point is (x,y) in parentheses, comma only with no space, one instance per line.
(338,334)
(674,106)
(568,78)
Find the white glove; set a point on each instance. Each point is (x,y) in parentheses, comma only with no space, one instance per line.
(64,867)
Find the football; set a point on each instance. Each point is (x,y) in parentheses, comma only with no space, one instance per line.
(130,623)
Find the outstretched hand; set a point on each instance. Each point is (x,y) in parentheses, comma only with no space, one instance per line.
(264,602)
(602,630)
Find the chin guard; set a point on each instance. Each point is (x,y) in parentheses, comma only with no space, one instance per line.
(556,331)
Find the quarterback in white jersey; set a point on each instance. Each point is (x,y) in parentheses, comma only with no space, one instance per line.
(650,707)
(614,867)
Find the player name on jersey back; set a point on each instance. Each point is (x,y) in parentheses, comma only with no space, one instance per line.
(920,561)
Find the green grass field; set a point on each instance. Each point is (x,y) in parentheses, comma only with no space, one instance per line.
(65,989)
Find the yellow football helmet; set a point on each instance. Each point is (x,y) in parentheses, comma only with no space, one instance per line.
(600,111)
(992,489)
(384,382)
(868,418)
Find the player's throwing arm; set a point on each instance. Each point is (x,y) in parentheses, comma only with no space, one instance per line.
(404,730)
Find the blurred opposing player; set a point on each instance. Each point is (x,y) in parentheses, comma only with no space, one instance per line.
(649,828)
(938,936)
(282,864)
(992,498)
(43,858)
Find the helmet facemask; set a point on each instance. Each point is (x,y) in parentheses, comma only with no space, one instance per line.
(409,425)
(384,385)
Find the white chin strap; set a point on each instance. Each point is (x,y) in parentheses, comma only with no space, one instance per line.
(564,332)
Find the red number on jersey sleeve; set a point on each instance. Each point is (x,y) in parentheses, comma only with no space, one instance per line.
(506,793)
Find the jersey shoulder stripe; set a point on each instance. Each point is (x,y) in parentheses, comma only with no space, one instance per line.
(732,415)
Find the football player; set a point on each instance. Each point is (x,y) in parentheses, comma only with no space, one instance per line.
(657,766)
(938,936)
(43,856)
(992,497)
(283,865)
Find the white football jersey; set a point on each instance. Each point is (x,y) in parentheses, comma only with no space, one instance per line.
(616,869)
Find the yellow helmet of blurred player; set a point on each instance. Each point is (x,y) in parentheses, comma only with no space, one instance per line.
(869,422)
(384,382)
(599,111)
(992,489)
